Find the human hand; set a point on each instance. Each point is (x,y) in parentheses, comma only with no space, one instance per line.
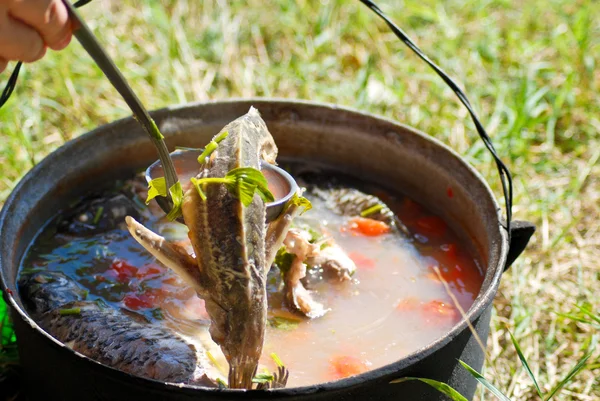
(28,27)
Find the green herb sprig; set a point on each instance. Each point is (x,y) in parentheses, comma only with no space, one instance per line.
(263,378)
(284,259)
(300,201)
(158,187)
(242,182)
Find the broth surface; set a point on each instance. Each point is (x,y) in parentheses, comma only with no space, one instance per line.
(394,304)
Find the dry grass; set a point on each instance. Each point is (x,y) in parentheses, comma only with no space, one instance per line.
(530,69)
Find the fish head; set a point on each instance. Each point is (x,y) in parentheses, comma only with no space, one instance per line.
(240,334)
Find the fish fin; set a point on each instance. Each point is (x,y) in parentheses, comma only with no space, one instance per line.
(276,232)
(171,255)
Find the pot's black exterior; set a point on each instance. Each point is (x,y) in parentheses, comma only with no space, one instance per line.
(53,371)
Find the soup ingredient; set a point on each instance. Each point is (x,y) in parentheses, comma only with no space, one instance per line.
(96,214)
(228,235)
(352,202)
(365,320)
(301,250)
(297,243)
(276,380)
(108,335)
(432,311)
(347,365)
(333,260)
(369,227)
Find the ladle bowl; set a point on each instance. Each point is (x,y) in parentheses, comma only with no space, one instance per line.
(281,184)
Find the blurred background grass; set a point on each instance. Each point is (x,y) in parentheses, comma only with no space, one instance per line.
(529,68)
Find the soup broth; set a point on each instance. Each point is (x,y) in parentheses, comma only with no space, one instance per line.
(395,303)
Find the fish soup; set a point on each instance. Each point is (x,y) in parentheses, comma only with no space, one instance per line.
(395,286)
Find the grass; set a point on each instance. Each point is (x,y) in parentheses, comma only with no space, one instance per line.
(531,70)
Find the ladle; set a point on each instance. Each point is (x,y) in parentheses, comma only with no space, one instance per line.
(281,183)
(164,166)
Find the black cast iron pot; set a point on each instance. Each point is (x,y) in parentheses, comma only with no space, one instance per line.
(371,148)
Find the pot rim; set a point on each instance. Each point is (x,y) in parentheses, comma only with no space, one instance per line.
(481,302)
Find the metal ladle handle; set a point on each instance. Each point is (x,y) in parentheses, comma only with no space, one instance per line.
(89,42)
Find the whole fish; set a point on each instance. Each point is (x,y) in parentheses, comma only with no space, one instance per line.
(233,250)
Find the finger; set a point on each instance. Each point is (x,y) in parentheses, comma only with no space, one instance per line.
(3,64)
(49,17)
(19,41)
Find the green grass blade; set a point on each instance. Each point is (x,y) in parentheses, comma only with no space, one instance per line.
(526,365)
(587,312)
(493,389)
(572,373)
(439,386)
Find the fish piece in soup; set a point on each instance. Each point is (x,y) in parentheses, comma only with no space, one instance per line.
(108,335)
(355,203)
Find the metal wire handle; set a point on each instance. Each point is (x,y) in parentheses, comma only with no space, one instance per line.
(505,176)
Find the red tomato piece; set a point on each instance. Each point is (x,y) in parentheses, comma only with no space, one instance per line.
(432,225)
(368,227)
(155,295)
(148,270)
(347,365)
(361,261)
(137,302)
(440,309)
(123,270)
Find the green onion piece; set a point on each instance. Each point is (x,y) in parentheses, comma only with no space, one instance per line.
(98,214)
(221,383)
(263,378)
(215,363)
(71,311)
(372,210)
(276,359)
(212,145)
